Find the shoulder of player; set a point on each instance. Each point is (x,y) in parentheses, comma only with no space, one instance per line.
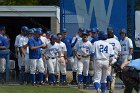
(3,39)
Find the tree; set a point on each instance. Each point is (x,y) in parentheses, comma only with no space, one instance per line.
(29,2)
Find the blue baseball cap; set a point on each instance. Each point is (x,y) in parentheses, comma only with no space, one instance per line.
(84,33)
(110,29)
(94,30)
(81,29)
(38,31)
(123,31)
(48,33)
(34,29)
(31,31)
(53,37)
(25,28)
(88,30)
(64,30)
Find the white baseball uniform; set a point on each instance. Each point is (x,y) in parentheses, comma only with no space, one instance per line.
(52,53)
(45,41)
(117,50)
(83,49)
(103,52)
(16,45)
(22,42)
(126,44)
(61,60)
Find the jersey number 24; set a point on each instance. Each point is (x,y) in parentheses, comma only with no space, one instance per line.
(103,49)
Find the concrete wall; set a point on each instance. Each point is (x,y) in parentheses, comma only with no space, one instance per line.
(55,25)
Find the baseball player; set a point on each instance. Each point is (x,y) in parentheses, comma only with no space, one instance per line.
(45,40)
(51,54)
(117,50)
(69,45)
(89,34)
(110,28)
(104,54)
(23,41)
(82,51)
(30,33)
(5,35)
(20,52)
(3,46)
(63,59)
(94,32)
(126,46)
(35,56)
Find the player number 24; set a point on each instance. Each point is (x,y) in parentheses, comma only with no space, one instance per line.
(103,49)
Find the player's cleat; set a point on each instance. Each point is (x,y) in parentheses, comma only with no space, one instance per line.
(64,83)
(79,85)
(73,82)
(108,85)
(41,83)
(33,84)
(51,83)
(99,91)
(84,86)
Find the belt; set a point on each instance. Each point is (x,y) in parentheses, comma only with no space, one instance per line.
(51,57)
(83,56)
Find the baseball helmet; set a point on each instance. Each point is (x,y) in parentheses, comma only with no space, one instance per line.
(103,35)
(31,31)
(25,28)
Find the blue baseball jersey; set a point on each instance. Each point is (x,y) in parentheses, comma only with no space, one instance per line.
(34,54)
(68,42)
(3,42)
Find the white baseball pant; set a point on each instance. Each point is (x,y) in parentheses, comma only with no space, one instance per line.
(83,66)
(73,63)
(2,65)
(36,64)
(100,70)
(62,65)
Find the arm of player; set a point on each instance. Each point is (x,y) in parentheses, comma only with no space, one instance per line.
(125,64)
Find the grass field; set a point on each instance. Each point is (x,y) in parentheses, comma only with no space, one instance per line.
(36,89)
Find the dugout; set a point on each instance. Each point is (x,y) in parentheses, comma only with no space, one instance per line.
(13,17)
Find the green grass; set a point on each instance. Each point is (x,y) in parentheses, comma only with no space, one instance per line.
(36,89)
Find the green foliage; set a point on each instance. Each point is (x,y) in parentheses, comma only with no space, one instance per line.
(29,2)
